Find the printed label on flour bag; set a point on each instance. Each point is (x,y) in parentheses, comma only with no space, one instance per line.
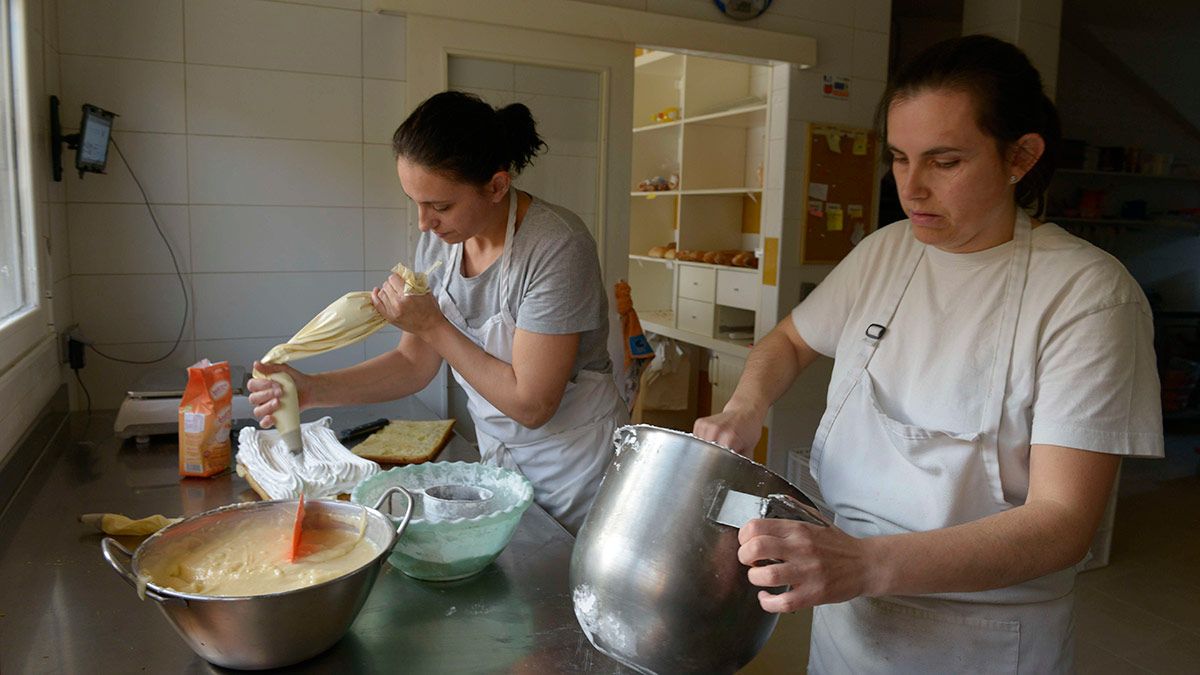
(204,420)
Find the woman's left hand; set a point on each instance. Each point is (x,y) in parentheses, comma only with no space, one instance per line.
(416,314)
(821,564)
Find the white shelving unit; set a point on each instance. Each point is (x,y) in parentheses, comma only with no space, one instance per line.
(717,149)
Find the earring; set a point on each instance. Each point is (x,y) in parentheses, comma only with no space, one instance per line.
(1012,180)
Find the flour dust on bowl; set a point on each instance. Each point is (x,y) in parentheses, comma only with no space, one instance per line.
(655,578)
(223,581)
(455,533)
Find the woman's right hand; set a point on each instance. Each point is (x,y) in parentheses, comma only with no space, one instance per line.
(265,394)
(735,428)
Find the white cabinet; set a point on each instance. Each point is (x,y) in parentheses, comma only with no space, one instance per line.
(709,146)
(697,283)
(737,289)
(695,316)
(724,371)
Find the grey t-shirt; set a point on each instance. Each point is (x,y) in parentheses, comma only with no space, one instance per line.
(555,286)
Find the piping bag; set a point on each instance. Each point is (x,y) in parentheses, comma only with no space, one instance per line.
(347,320)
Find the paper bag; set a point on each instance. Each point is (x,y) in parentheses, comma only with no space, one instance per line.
(205,415)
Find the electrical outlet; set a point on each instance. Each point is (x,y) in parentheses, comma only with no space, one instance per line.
(64,342)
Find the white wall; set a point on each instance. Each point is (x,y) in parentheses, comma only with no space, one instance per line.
(251,119)
(261,131)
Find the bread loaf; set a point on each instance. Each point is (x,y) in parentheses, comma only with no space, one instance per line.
(406,442)
(709,257)
(670,254)
(657,252)
(725,257)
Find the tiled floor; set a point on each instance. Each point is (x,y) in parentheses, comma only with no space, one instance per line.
(1141,613)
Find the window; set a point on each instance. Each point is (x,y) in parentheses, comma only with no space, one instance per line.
(23,322)
(14,284)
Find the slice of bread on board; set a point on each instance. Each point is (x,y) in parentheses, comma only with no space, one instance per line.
(406,442)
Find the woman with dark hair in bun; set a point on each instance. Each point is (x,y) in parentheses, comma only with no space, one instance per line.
(518,308)
(990,371)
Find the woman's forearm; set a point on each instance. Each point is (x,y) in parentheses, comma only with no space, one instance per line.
(774,363)
(1042,536)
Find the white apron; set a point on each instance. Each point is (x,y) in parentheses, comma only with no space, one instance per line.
(565,458)
(883,477)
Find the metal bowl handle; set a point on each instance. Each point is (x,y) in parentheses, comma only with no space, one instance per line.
(121,560)
(787,506)
(386,498)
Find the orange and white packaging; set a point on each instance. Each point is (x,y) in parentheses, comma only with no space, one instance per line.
(205,416)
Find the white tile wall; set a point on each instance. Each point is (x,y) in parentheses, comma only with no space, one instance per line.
(270,104)
(875,15)
(381,187)
(253,171)
(250,143)
(107,238)
(148,95)
(274,35)
(135,29)
(119,308)
(382,342)
(384,108)
(289,111)
(870,58)
(60,256)
(276,238)
(158,160)
(383,40)
(107,381)
(386,240)
(265,304)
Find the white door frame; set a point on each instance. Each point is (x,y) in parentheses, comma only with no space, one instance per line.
(432,41)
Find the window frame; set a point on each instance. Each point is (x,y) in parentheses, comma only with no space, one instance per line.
(26,328)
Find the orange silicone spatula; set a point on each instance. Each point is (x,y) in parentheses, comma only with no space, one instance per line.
(295,551)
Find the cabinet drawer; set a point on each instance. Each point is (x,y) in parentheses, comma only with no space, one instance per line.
(695,316)
(697,283)
(737,289)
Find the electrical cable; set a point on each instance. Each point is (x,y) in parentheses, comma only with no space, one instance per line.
(85,391)
(178,273)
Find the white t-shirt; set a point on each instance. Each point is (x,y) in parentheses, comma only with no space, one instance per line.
(1083,370)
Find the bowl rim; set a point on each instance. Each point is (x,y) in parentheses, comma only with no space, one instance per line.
(522,503)
(165,591)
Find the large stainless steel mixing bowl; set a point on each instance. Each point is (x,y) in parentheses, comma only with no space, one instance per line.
(656,583)
(272,630)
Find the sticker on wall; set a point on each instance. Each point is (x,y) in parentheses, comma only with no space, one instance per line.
(860,144)
(818,191)
(835,87)
(816,208)
(833,217)
(854,210)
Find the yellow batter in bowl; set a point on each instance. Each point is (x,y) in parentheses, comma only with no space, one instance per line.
(249,556)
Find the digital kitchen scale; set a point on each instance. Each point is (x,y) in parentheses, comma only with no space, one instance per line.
(151,406)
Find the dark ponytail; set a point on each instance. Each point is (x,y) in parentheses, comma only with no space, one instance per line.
(461,136)
(1008,96)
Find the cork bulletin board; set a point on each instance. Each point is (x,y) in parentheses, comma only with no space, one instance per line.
(840,191)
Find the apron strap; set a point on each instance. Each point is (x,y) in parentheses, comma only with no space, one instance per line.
(872,334)
(1018,268)
(510,231)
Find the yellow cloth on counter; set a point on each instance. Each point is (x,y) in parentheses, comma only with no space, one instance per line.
(345,321)
(117,524)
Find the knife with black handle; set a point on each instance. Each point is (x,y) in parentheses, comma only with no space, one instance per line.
(362,430)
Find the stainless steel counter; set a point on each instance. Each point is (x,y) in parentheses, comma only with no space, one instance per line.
(63,610)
